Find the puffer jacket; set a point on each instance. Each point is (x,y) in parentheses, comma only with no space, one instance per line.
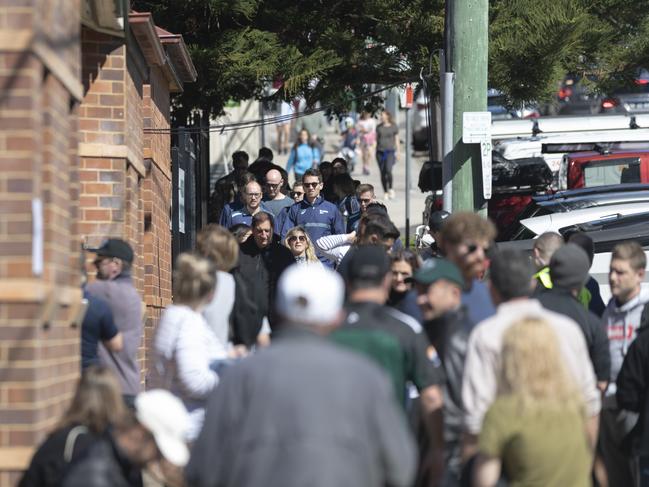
(622,323)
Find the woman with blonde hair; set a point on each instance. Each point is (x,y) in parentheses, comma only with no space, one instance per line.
(300,245)
(185,346)
(536,428)
(96,406)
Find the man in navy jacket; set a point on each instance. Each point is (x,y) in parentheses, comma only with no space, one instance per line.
(318,217)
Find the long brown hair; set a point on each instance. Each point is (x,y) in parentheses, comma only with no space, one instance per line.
(97,402)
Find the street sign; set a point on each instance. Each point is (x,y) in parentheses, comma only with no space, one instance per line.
(485,158)
(476,127)
(406,96)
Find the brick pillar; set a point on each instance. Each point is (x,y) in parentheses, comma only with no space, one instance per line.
(39,286)
(157,203)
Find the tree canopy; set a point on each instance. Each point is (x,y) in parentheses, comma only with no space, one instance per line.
(333,51)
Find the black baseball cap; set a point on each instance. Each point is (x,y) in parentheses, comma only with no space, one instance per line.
(368,263)
(115,247)
(436,220)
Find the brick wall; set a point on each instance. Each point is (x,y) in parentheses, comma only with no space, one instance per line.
(73,106)
(39,342)
(157,202)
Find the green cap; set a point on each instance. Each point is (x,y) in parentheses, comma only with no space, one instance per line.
(435,269)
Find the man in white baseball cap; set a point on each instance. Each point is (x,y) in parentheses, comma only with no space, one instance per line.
(304,411)
(157,429)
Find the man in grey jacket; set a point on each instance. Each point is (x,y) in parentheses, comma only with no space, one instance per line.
(115,285)
(622,320)
(304,412)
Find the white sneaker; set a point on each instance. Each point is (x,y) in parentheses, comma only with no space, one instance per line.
(386,197)
(392,194)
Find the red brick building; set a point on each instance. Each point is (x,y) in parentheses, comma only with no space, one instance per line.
(79,83)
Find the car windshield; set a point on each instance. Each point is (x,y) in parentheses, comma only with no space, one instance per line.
(615,171)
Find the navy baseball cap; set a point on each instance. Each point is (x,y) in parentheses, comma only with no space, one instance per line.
(115,247)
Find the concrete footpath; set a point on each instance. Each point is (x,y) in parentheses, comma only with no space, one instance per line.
(397,206)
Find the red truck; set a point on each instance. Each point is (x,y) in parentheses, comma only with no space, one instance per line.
(596,166)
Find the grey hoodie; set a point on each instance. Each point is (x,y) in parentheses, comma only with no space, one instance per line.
(622,323)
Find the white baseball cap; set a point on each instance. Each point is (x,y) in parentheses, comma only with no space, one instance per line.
(165,416)
(310,294)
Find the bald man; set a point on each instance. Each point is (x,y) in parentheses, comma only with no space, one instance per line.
(274,200)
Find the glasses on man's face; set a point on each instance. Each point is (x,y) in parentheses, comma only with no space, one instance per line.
(296,194)
(273,186)
(310,185)
(367,201)
(254,195)
(295,238)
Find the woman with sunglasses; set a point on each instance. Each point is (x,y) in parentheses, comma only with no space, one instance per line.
(299,243)
(402,297)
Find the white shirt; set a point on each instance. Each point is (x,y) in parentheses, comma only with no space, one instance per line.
(333,247)
(184,347)
(479,383)
(217,312)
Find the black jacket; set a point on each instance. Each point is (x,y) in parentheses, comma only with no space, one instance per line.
(633,384)
(259,270)
(244,320)
(563,302)
(49,465)
(104,465)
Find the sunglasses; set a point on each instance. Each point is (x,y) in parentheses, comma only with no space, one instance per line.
(254,195)
(297,193)
(270,185)
(367,201)
(471,248)
(294,238)
(310,185)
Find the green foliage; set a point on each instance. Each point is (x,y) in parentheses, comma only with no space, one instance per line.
(349,46)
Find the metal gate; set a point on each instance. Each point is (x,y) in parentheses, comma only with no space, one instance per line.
(190,187)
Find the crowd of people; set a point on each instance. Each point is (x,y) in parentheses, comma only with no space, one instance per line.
(306,346)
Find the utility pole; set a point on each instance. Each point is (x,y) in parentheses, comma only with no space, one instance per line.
(408,170)
(469,60)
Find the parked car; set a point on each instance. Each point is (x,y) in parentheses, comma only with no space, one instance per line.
(497,105)
(575,97)
(602,167)
(629,99)
(536,225)
(577,199)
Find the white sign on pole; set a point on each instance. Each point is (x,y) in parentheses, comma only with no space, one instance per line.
(476,127)
(485,157)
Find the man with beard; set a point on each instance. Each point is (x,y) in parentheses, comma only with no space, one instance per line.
(439,286)
(465,241)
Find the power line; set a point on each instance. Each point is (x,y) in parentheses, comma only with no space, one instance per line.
(248,124)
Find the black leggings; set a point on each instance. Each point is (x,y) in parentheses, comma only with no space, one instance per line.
(386,163)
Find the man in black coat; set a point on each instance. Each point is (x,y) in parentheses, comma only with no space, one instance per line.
(632,397)
(261,262)
(569,271)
